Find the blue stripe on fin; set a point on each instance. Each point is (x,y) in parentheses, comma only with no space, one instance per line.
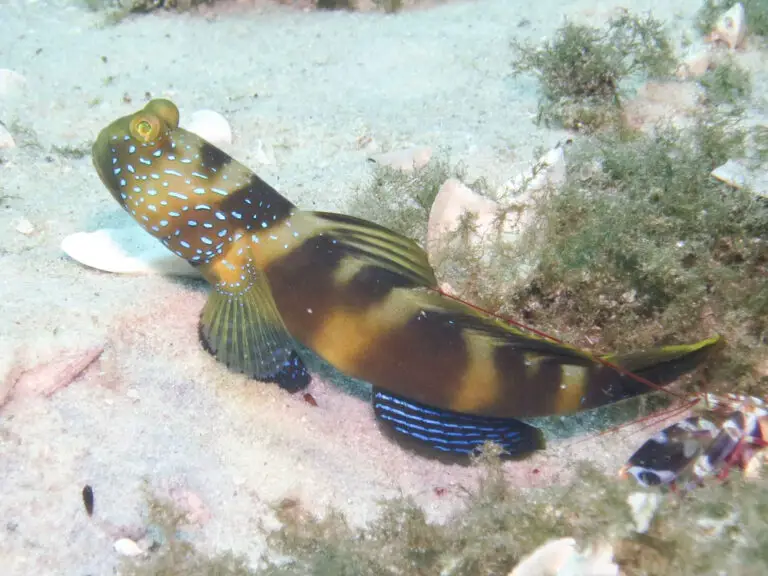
(453,432)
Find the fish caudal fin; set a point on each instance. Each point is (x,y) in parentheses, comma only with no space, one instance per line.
(244,331)
(660,366)
(453,432)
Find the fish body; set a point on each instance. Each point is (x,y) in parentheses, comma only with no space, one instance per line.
(359,295)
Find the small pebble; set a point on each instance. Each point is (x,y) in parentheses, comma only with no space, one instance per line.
(405,160)
(643,506)
(11,82)
(264,154)
(88,499)
(25,227)
(6,140)
(127,547)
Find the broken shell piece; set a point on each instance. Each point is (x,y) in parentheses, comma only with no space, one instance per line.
(211,126)
(731,28)
(561,558)
(490,225)
(696,65)
(594,561)
(735,174)
(127,547)
(548,171)
(753,469)
(406,160)
(732,173)
(547,559)
(125,251)
(643,506)
(452,202)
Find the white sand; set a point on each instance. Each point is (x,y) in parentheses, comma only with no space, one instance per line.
(156,406)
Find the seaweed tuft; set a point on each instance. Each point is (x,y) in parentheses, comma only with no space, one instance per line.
(728,83)
(581,70)
(401,200)
(720,527)
(643,247)
(172,555)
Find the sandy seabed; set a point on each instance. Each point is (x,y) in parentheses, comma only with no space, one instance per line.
(312,86)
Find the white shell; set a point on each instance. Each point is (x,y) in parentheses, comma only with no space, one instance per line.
(453,200)
(547,559)
(561,558)
(125,251)
(548,171)
(211,126)
(731,28)
(643,506)
(492,223)
(127,547)
(735,174)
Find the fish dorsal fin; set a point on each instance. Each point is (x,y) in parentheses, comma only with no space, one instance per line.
(243,329)
(379,246)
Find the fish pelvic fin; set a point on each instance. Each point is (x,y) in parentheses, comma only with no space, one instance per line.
(379,246)
(243,329)
(449,432)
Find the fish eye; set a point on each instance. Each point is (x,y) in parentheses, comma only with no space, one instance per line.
(145,128)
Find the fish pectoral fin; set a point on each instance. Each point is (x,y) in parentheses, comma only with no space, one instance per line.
(244,331)
(453,432)
(380,246)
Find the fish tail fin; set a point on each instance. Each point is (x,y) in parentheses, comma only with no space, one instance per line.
(660,366)
(244,331)
(453,432)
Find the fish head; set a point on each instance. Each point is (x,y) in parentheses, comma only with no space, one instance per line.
(189,194)
(122,149)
